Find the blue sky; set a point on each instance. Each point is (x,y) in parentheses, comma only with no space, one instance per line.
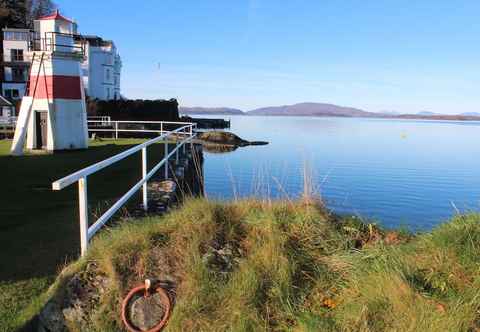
(405,56)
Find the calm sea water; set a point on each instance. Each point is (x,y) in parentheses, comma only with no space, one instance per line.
(397,172)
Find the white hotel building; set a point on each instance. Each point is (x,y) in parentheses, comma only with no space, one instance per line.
(101,68)
(15,63)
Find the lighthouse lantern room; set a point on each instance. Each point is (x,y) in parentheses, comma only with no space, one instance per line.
(53,111)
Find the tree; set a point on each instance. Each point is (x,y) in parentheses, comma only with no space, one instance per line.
(22,13)
(13,13)
(38,8)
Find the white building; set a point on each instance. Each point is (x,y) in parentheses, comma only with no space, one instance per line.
(15,62)
(101,69)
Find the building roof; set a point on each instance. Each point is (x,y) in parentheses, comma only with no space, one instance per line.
(4,102)
(94,40)
(56,16)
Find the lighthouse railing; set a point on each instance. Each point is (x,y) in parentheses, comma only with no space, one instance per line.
(183,135)
(53,41)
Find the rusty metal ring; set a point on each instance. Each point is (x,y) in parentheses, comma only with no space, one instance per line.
(141,290)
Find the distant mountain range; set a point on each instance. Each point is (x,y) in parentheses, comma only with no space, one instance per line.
(210,110)
(427,113)
(312,109)
(323,109)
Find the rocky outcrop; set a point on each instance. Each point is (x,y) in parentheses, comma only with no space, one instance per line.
(225,139)
(72,307)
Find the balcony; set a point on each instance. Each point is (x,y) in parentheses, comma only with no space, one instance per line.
(59,43)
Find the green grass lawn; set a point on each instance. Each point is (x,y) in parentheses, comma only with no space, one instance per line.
(39,231)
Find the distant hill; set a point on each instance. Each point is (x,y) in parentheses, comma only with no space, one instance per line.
(210,110)
(426,113)
(312,109)
(394,113)
(448,117)
(323,109)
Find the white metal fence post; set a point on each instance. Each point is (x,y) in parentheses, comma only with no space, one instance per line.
(166,161)
(161,128)
(83,205)
(144,175)
(116,129)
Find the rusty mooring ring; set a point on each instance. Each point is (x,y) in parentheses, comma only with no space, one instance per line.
(144,290)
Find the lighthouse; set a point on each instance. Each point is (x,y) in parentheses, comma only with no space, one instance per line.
(53,111)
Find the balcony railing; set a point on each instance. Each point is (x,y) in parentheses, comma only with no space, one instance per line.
(17,79)
(59,42)
(21,59)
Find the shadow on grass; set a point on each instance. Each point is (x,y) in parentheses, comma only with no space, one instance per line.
(39,229)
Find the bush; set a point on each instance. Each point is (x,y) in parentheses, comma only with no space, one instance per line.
(139,110)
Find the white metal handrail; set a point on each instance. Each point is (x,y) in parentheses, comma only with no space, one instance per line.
(152,122)
(99,126)
(86,232)
(8,120)
(104,120)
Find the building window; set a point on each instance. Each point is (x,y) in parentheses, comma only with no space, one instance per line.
(17,55)
(18,74)
(6,112)
(12,93)
(15,35)
(108,75)
(108,93)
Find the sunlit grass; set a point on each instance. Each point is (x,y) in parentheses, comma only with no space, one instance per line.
(294,267)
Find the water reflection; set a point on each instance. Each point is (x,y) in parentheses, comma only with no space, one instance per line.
(218,148)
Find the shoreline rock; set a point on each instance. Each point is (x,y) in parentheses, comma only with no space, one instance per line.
(229,141)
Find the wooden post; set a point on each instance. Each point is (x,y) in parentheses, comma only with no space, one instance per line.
(83,205)
(166,161)
(144,175)
(176,153)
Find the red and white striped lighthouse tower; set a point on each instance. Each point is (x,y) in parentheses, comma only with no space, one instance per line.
(53,112)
